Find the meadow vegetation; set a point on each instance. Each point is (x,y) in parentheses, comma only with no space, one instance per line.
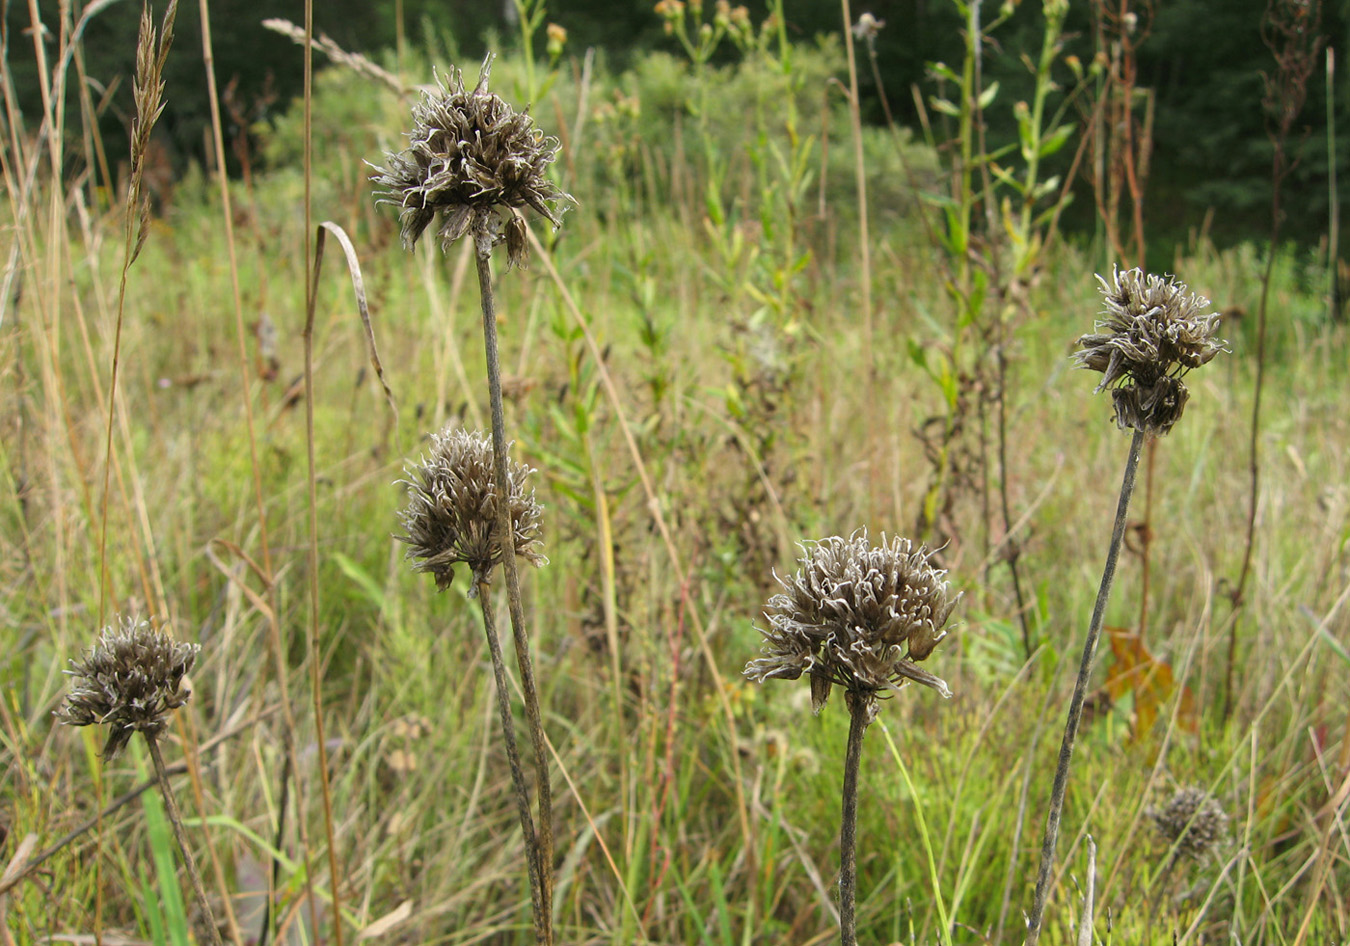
(704,368)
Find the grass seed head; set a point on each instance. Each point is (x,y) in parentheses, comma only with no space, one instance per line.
(1152,331)
(859,617)
(131,679)
(470,155)
(1192,821)
(451,516)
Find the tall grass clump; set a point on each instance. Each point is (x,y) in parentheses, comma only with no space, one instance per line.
(473,164)
(857,617)
(687,370)
(1152,332)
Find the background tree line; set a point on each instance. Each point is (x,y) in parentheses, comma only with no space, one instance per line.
(1203,60)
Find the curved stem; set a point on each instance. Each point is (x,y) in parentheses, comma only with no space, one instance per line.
(848,826)
(176,819)
(1060,786)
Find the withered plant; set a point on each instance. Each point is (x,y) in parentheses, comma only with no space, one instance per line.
(472,166)
(1151,332)
(131,680)
(453,517)
(857,617)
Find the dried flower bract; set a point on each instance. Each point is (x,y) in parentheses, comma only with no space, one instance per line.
(1192,822)
(451,516)
(859,617)
(131,680)
(1152,332)
(469,156)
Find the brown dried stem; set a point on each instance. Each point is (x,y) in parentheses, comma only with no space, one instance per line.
(1061,782)
(541,931)
(176,819)
(543,854)
(848,826)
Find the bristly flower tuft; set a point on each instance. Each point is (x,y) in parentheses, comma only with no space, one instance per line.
(1152,332)
(451,516)
(469,156)
(859,617)
(131,679)
(1192,822)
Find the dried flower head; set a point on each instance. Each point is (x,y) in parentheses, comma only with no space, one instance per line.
(1151,333)
(868,27)
(131,680)
(451,516)
(469,156)
(856,616)
(1192,822)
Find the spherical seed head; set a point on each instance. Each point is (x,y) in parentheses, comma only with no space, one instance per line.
(469,156)
(859,617)
(451,516)
(1192,822)
(131,679)
(1152,331)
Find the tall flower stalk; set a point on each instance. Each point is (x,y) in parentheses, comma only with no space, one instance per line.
(454,516)
(857,617)
(1152,332)
(474,164)
(131,680)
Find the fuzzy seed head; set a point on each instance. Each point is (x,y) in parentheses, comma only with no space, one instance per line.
(131,679)
(1152,331)
(1191,821)
(451,516)
(859,617)
(470,156)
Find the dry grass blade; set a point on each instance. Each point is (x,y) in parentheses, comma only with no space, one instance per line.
(325,44)
(359,288)
(659,519)
(1089,891)
(152,51)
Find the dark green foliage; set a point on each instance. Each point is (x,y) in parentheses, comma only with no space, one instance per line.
(1204,60)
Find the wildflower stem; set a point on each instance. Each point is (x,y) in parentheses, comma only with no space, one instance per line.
(513,757)
(1079,694)
(543,854)
(176,819)
(848,826)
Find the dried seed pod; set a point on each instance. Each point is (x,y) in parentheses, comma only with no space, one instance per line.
(470,155)
(1152,332)
(859,617)
(451,516)
(131,679)
(1192,822)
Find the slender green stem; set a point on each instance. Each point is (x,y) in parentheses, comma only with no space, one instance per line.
(1079,694)
(848,826)
(544,854)
(513,758)
(176,819)
(945,933)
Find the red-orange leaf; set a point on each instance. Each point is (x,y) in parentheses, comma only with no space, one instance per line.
(1149,679)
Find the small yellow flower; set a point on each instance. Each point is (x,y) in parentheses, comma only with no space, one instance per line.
(557,39)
